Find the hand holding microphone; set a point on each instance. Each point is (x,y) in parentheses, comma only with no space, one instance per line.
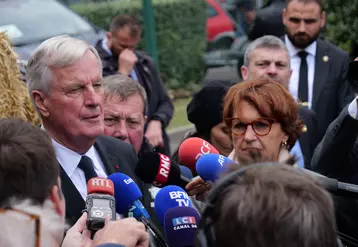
(78,235)
(100,202)
(209,167)
(127,194)
(128,232)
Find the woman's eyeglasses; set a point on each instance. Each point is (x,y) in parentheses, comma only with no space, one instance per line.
(32,216)
(261,126)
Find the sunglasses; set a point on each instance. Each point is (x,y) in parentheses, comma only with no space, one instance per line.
(33,217)
(261,126)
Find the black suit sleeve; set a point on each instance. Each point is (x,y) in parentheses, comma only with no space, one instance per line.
(309,139)
(165,109)
(334,155)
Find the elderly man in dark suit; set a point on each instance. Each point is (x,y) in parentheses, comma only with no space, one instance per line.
(267,58)
(119,56)
(319,68)
(65,84)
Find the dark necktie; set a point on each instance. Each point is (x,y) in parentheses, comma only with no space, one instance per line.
(303,80)
(86,165)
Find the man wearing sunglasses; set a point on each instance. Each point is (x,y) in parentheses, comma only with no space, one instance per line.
(268,58)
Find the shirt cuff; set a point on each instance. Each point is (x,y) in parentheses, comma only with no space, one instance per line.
(353,109)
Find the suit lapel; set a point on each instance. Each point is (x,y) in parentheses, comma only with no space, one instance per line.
(321,71)
(107,159)
(74,201)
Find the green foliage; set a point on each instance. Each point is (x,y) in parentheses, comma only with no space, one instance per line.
(342,24)
(180,30)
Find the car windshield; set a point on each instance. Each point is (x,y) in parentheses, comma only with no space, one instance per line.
(27,21)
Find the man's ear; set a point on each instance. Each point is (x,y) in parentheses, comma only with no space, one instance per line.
(57,199)
(39,99)
(323,19)
(284,15)
(244,72)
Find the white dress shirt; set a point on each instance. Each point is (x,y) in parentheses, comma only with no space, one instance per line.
(295,61)
(69,161)
(353,108)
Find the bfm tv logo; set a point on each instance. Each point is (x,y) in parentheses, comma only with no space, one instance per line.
(180,197)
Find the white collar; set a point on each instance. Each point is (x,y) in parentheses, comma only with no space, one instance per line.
(311,49)
(105,46)
(283,156)
(69,159)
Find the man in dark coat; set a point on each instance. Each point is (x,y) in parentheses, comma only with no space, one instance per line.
(65,83)
(268,20)
(118,55)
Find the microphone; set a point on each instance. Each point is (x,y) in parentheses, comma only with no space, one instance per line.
(334,186)
(100,202)
(157,169)
(180,226)
(210,166)
(127,194)
(192,149)
(170,196)
(186,172)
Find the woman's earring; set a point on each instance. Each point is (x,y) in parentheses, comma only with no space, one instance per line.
(284,144)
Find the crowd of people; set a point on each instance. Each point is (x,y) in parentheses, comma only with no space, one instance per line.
(86,112)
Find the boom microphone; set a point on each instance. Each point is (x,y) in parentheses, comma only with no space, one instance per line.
(100,202)
(192,149)
(334,186)
(157,169)
(180,226)
(170,197)
(210,166)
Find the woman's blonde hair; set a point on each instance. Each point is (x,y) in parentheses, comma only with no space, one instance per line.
(15,101)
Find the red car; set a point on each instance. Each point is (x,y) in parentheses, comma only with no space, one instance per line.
(220,28)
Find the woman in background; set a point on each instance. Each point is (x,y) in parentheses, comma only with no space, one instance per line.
(205,112)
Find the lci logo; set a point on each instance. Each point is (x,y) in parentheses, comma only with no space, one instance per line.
(184,220)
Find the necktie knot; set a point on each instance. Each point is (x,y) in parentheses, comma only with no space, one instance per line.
(302,54)
(87,166)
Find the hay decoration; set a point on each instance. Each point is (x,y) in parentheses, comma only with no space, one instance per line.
(14,97)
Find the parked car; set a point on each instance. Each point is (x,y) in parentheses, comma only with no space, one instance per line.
(30,22)
(220,28)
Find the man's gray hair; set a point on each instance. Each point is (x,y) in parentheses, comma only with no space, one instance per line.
(267,41)
(18,229)
(56,52)
(121,87)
